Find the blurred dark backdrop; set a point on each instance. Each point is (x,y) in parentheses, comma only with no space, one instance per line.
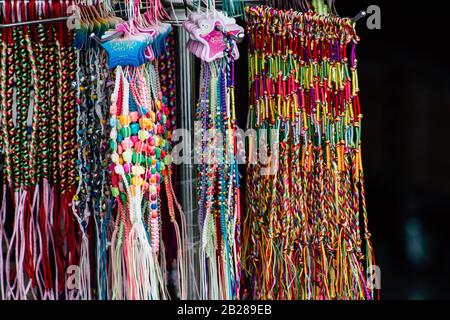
(405,91)
(405,88)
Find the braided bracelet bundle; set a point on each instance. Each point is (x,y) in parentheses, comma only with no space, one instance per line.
(176,237)
(306,222)
(38,155)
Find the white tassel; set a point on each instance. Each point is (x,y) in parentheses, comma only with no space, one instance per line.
(33,233)
(85,268)
(144,280)
(116,292)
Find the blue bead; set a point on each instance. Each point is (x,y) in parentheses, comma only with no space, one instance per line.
(119,138)
(143,111)
(154,206)
(134,128)
(112,122)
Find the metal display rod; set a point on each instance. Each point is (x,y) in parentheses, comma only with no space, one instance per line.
(186,100)
(59,19)
(174,21)
(32,22)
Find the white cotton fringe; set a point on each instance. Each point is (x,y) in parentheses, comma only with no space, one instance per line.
(136,272)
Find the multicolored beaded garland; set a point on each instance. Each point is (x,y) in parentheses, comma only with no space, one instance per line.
(306,222)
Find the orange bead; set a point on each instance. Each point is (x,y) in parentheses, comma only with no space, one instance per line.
(125,120)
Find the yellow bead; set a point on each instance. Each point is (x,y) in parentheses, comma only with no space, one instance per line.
(137,181)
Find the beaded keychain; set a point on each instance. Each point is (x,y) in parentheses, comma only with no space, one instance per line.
(303,218)
(138,163)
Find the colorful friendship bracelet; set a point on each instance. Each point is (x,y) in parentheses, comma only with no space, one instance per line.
(303,218)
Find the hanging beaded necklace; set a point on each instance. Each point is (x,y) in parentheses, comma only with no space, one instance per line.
(218,188)
(138,124)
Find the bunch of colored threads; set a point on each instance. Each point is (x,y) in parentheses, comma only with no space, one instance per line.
(306,223)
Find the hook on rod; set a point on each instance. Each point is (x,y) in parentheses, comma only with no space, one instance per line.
(238,38)
(111,37)
(359,16)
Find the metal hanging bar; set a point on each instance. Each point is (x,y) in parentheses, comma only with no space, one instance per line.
(33,22)
(60,19)
(173,21)
(187,184)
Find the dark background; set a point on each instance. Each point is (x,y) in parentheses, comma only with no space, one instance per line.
(405,91)
(405,96)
